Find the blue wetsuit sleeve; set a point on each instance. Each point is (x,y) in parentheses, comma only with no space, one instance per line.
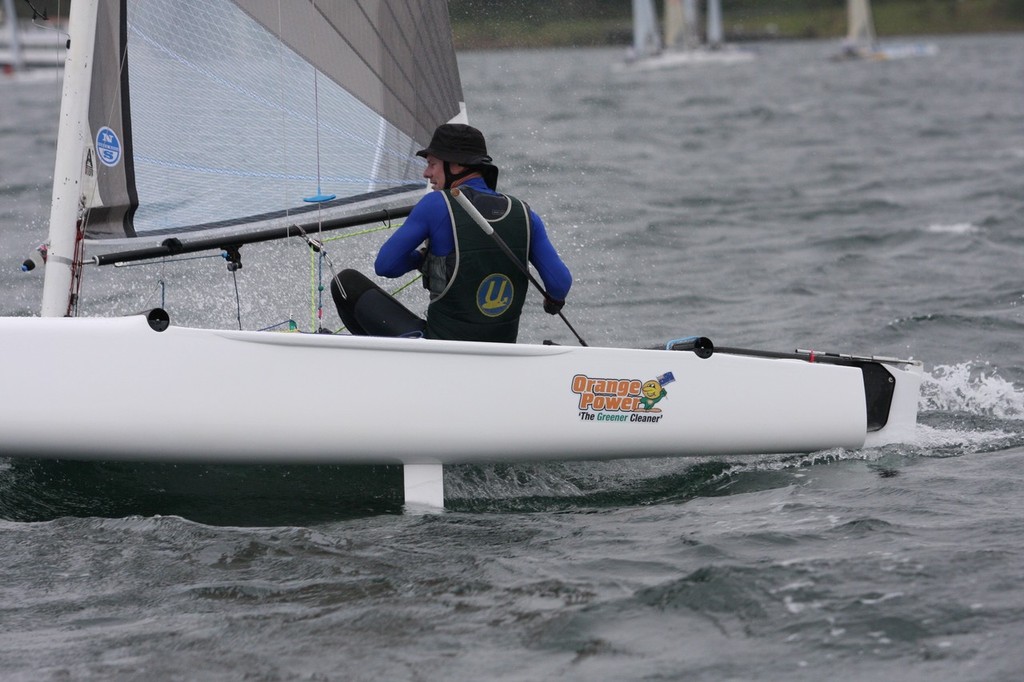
(553,272)
(399,254)
(428,221)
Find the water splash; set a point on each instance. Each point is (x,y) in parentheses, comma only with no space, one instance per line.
(951,441)
(967,408)
(972,388)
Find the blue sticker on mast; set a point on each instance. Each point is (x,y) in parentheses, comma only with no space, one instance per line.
(108,147)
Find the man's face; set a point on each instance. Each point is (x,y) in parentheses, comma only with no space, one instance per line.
(434,172)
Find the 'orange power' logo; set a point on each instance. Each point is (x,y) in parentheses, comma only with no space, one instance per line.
(620,395)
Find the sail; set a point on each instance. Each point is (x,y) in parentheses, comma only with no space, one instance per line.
(861,27)
(681,31)
(224,114)
(673,23)
(645,29)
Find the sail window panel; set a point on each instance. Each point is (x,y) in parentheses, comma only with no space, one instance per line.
(228,122)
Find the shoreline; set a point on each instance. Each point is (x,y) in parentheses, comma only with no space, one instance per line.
(894,20)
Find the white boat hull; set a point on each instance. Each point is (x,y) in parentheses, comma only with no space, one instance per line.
(673,59)
(116,389)
(888,52)
(904,51)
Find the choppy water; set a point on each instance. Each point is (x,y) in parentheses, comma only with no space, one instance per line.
(790,202)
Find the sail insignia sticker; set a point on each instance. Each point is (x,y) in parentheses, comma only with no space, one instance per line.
(108,147)
(494,295)
(621,400)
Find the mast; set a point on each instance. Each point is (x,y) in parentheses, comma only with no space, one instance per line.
(714,23)
(74,144)
(11,18)
(645,29)
(691,32)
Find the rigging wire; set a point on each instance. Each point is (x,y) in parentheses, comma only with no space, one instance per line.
(317,247)
(317,319)
(36,14)
(238,300)
(320,197)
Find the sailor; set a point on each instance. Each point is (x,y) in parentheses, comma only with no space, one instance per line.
(476,291)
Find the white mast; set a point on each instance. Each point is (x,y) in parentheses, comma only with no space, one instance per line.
(645,29)
(715,35)
(11,18)
(73,144)
(691,32)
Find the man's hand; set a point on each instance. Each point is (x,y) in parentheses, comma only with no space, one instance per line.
(551,306)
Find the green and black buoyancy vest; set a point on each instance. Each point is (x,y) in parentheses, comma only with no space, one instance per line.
(484,291)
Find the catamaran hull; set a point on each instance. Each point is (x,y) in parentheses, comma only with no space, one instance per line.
(118,389)
(674,59)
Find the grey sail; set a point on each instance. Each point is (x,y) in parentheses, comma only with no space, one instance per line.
(231,115)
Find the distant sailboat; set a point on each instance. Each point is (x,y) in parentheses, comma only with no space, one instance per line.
(862,43)
(682,42)
(27,49)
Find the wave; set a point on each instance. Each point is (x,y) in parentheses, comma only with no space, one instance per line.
(954,228)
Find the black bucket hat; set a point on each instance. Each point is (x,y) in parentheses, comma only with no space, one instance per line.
(465,145)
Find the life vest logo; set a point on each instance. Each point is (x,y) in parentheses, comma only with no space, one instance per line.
(621,400)
(494,295)
(108,146)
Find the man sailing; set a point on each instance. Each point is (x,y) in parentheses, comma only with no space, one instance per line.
(476,291)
